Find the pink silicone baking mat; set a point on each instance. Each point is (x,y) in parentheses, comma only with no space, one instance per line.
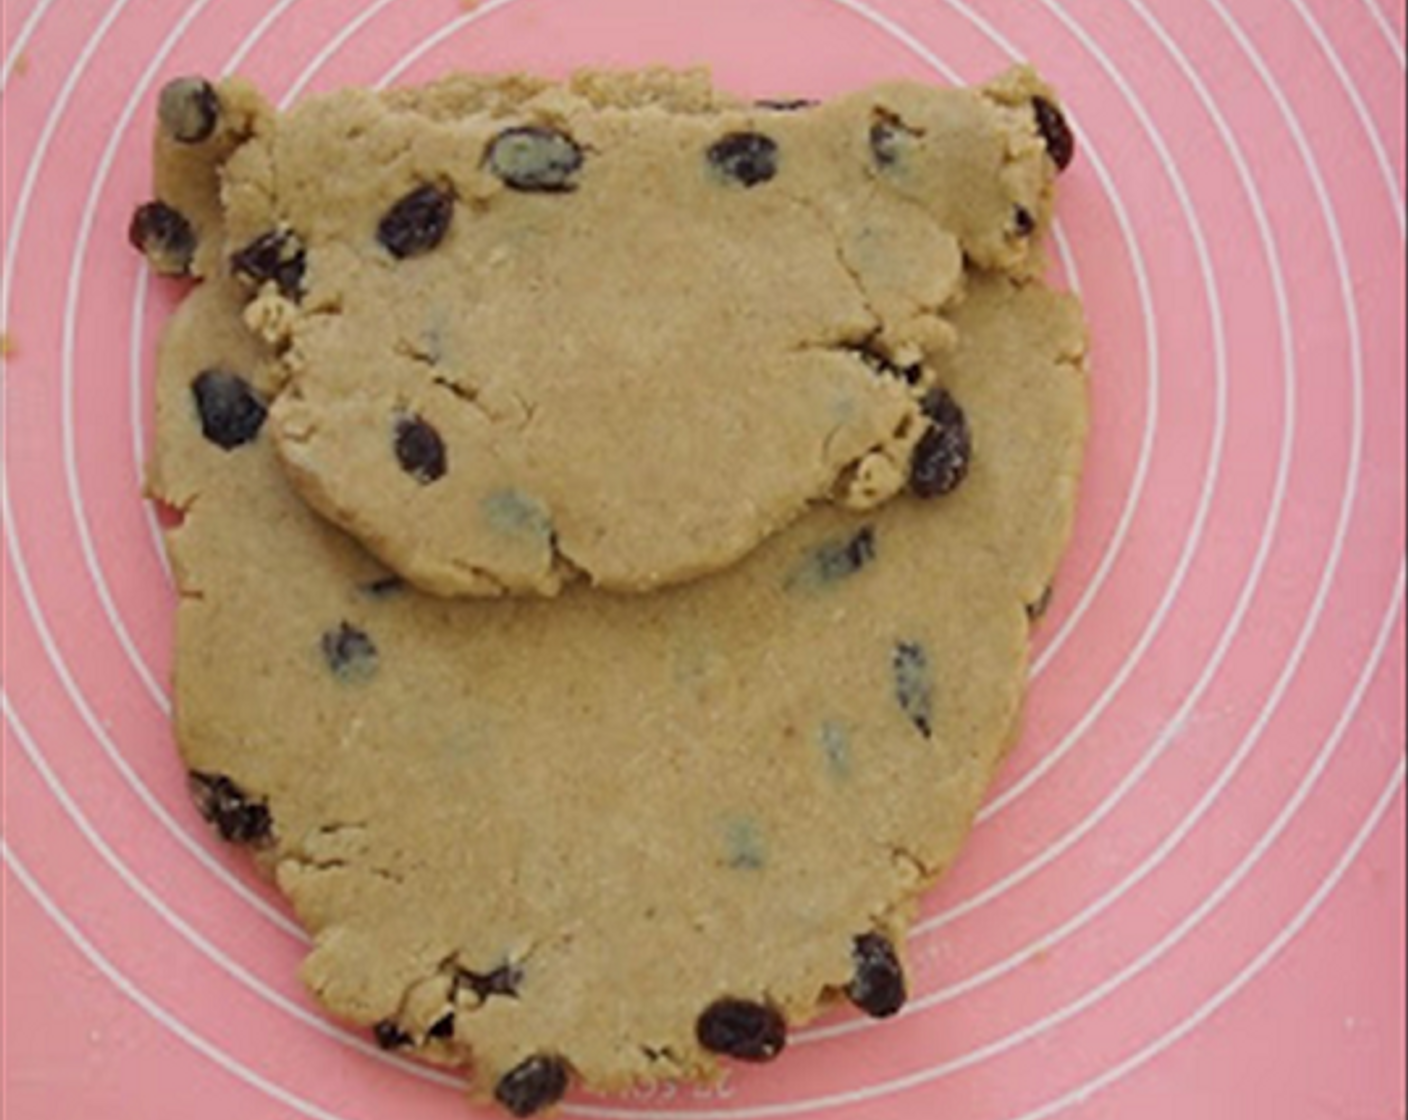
(1186,896)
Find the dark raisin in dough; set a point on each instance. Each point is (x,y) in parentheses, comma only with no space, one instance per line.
(1056,131)
(164,236)
(536,159)
(237,818)
(750,1032)
(914,686)
(535,1085)
(504,981)
(350,653)
(840,560)
(886,367)
(889,137)
(879,987)
(188,110)
(749,158)
(231,412)
(417,223)
(945,452)
(259,260)
(443,1027)
(1023,221)
(389,1036)
(420,450)
(385,587)
(276,256)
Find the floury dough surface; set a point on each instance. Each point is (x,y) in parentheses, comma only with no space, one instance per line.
(620,331)
(187,169)
(546,836)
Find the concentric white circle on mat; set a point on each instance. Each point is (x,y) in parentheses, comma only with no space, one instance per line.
(1186,891)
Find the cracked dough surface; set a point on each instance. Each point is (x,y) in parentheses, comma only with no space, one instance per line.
(632,805)
(637,380)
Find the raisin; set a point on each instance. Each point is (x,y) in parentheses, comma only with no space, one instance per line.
(885,366)
(1038,610)
(889,137)
(914,685)
(503,981)
(417,223)
(276,256)
(389,1036)
(259,260)
(878,987)
(188,110)
(788,105)
(535,1085)
(750,1032)
(1056,131)
(350,653)
(840,560)
(420,450)
(747,847)
(520,515)
(443,1027)
(385,588)
(536,159)
(231,412)
(883,145)
(749,158)
(1023,221)
(164,236)
(944,453)
(237,818)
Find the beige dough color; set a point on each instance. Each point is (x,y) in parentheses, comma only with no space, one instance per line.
(620,331)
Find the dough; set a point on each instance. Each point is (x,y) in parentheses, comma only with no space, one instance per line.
(608,838)
(619,331)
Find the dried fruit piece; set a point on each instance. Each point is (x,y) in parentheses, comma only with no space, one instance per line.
(746,845)
(878,987)
(504,981)
(188,110)
(231,412)
(385,588)
(736,1028)
(443,1027)
(839,560)
(277,256)
(914,685)
(536,159)
(164,236)
(389,1036)
(535,1085)
(350,653)
(420,450)
(417,223)
(236,817)
(889,138)
(944,453)
(1056,131)
(885,366)
(749,158)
